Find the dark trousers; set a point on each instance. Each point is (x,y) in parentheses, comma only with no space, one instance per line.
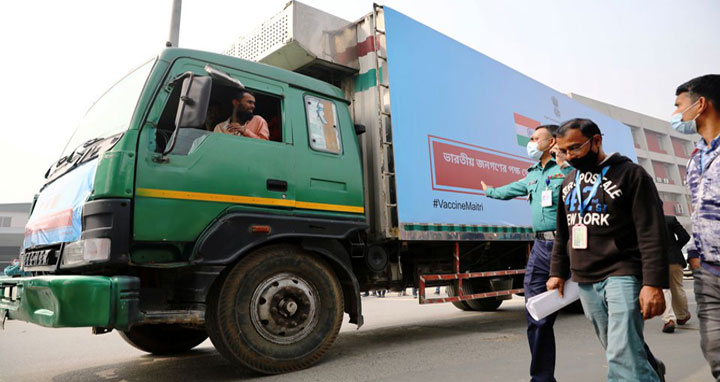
(541,336)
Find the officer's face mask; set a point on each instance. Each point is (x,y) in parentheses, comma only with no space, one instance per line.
(533,149)
(684,127)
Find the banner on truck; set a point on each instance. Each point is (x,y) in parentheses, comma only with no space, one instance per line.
(459,118)
(57,215)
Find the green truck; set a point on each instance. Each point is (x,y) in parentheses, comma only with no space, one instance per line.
(153,225)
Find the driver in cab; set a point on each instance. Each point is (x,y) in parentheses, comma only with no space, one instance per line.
(243,122)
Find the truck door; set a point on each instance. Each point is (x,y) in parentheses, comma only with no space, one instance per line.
(329,176)
(179,194)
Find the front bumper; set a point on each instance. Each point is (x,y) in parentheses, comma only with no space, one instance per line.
(72,301)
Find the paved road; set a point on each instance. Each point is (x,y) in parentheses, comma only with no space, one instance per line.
(401,341)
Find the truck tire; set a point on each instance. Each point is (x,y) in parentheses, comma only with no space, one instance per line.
(277,310)
(462,305)
(163,339)
(490,304)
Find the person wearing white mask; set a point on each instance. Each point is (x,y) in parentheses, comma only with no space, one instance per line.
(542,186)
(697,110)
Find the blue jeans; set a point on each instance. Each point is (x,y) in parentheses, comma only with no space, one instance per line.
(613,307)
(541,336)
(707,295)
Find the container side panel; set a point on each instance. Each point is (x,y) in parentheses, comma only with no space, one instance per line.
(459,117)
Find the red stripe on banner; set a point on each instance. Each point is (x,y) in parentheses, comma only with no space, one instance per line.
(483,148)
(366,46)
(57,220)
(525,121)
(463,169)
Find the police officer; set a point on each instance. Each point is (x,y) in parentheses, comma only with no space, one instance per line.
(541,185)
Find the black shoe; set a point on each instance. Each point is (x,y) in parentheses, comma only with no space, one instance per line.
(669,327)
(685,320)
(660,369)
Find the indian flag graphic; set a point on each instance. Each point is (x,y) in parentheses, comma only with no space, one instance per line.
(524,127)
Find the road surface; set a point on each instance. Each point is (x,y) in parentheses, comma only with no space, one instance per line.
(401,341)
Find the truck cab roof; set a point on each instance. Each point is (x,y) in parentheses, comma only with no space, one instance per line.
(291,78)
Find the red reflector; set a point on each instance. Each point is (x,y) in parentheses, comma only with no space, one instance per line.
(260,229)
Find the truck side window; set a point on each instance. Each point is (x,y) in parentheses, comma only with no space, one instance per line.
(220,109)
(322,122)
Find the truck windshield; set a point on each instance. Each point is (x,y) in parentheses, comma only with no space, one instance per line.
(111,113)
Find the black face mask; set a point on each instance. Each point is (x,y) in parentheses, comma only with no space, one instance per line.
(587,162)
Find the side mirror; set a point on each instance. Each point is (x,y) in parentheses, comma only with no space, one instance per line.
(359,129)
(194,100)
(192,107)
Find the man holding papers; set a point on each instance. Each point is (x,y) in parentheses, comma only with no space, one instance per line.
(611,234)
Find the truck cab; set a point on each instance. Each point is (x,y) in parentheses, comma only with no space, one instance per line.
(150,214)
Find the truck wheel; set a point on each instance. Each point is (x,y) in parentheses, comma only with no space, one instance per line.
(162,339)
(462,305)
(481,304)
(277,310)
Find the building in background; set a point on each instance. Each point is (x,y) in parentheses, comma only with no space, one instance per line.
(661,151)
(12,231)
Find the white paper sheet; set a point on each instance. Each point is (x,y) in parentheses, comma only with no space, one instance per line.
(547,303)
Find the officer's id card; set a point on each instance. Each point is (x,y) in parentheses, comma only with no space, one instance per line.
(579,236)
(547,198)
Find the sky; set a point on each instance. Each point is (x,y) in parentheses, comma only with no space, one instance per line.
(60,56)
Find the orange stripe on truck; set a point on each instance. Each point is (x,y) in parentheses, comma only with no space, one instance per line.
(240,199)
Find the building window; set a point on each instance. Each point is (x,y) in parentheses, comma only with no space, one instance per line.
(680,148)
(671,206)
(683,173)
(635,131)
(5,221)
(661,173)
(655,143)
(668,172)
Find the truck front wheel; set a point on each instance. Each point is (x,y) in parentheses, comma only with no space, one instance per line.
(162,339)
(278,310)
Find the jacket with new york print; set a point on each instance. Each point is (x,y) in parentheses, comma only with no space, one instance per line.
(626,229)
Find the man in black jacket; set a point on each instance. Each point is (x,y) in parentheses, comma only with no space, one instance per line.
(612,235)
(677,239)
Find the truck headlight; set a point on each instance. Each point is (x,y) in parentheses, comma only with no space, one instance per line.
(84,252)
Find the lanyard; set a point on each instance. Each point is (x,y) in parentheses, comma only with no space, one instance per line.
(584,205)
